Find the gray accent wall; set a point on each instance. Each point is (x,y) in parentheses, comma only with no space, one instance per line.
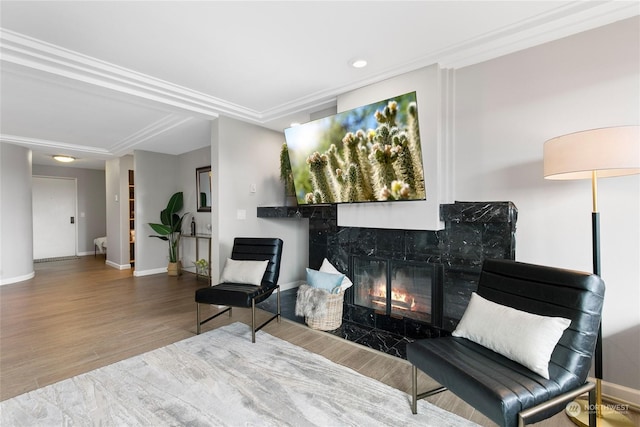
(90,201)
(188,163)
(247,155)
(156,180)
(16,224)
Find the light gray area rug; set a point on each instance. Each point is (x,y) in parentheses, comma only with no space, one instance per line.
(220,378)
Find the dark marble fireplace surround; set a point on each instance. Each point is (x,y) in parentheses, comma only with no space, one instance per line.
(473,231)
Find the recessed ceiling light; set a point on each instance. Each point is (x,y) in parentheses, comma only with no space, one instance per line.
(359,63)
(64,159)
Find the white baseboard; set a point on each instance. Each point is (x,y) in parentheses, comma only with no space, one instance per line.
(118,266)
(290,285)
(140,273)
(17,279)
(627,394)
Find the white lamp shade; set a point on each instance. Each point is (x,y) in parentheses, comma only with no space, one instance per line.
(613,151)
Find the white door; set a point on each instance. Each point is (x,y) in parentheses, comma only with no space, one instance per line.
(54,217)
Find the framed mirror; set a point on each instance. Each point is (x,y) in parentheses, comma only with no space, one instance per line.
(203,188)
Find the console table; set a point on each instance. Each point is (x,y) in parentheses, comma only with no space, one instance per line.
(197,238)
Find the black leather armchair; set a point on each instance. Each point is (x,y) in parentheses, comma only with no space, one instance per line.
(244,295)
(505,391)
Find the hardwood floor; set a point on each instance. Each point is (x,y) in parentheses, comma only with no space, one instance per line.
(78,315)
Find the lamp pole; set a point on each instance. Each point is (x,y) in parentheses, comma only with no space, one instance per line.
(605,417)
(595,249)
(613,151)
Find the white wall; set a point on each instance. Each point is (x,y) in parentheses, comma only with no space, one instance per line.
(16,218)
(112,214)
(505,109)
(117,211)
(246,155)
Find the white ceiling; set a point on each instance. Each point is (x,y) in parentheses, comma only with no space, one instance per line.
(97,80)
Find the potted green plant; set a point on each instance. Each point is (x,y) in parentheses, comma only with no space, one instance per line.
(169,230)
(286,176)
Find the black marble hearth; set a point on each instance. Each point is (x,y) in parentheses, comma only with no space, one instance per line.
(368,336)
(473,231)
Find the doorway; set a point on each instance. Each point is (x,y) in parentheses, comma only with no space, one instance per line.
(54,217)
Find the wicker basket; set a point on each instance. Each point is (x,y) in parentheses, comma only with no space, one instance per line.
(333,319)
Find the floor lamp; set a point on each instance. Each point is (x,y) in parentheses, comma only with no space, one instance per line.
(593,154)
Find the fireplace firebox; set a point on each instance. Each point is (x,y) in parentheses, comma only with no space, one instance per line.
(398,288)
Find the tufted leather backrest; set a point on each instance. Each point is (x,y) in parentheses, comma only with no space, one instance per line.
(550,291)
(260,249)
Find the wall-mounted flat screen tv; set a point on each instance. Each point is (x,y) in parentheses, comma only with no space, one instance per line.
(369,154)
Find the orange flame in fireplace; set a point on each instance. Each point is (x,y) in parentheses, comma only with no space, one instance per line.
(399,298)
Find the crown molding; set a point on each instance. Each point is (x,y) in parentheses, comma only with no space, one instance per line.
(560,22)
(161,126)
(62,147)
(125,146)
(45,57)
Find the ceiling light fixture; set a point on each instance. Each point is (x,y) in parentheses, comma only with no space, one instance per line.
(359,63)
(64,159)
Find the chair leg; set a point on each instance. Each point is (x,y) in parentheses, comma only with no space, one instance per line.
(253,321)
(592,404)
(414,389)
(415,396)
(197,319)
(202,322)
(278,298)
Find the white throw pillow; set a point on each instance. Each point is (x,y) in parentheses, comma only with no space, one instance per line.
(526,338)
(327,267)
(248,272)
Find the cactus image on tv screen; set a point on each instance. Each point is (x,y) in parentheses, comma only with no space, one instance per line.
(368,154)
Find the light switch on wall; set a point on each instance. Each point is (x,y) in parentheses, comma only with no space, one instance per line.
(241,214)
(252,188)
